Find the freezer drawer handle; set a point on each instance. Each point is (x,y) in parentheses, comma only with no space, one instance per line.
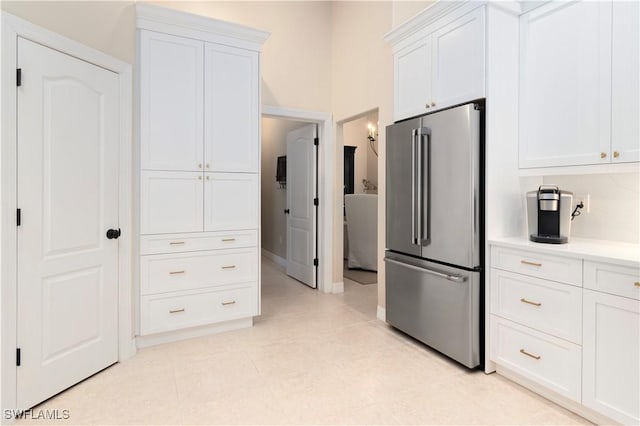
(522,351)
(454,278)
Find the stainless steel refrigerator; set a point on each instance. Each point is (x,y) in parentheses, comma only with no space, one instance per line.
(434,230)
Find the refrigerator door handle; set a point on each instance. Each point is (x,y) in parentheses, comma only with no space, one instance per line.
(424,134)
(414,134)
(454,278)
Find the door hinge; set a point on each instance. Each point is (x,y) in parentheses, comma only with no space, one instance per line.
(316,202)
(315,262)
(18,357)
(18,217)
(19,77)
(316,141)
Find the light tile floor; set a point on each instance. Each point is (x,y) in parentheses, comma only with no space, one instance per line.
(311,358)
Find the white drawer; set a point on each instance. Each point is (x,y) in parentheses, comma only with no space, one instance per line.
(162,273)
(168,312)
(547,306)
(175,243)
(563,269)
(613,279)
(549,361)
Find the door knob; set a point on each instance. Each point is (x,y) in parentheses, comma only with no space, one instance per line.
(113,234)
(286,211)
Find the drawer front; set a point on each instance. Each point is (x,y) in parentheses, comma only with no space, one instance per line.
(563,269)
(168,312)
(551,362)
(613,279)
(547,306)
(176,272)
(178,243)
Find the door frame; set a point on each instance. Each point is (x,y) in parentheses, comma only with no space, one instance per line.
(12,28)
(326,182)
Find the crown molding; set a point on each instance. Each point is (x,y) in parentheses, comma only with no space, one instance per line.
(171,21)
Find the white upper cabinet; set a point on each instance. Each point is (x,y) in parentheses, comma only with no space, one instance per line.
(440,66)
(231,109)
(565,84)
(171,102)
(458,61)
(412,79)
(625,88)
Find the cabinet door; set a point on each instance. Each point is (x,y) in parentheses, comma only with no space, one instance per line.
(458,61)
(232,84)
(611,356)
(171,102)
(171,202)
(231,201)
(412,79)
(565,84)
(625,96)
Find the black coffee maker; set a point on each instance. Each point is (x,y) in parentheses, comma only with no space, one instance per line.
(549,214)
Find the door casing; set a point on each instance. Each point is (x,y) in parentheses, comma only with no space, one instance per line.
(12,28)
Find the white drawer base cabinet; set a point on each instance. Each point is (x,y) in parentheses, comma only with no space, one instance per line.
(199,263)
(567,325)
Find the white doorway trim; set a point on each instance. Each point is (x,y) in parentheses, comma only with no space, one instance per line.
(325,183)
(12,28)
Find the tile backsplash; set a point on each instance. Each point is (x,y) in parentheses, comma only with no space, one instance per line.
(614,205)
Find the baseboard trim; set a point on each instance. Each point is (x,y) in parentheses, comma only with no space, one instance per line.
(337,287)
(274,257)
(381,314)
(174,336)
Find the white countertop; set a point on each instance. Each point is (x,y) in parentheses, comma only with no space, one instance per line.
(620,253)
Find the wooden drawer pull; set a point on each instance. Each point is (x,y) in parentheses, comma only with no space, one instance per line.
(176,311)
(176,243)
(176,272)
(228,240)
(522,351)
(523,300)
(229,267)
(637,284)
(233,302)
(526,262)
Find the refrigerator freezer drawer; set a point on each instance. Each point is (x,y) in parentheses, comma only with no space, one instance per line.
(435,304)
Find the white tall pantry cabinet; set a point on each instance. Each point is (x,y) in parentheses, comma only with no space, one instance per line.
(199,140)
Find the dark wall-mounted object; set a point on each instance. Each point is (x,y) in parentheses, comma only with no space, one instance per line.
(281,171)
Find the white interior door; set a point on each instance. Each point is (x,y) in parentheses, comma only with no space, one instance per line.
(68,121)
(301,220)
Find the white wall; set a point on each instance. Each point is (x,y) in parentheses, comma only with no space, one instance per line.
(274,199)
(404,10)
(614,205)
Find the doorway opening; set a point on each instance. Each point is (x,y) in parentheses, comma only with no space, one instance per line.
(296,192)
(359,136)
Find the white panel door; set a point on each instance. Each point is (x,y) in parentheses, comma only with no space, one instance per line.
(232,85)
(565,84)
(231,201)
(171,202)
(458,61)
(625,89)
(171,102)
(611,356)
(301,226)
(68,136)
(412,80)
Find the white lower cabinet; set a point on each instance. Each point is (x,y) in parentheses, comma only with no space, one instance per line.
(611,365)
(580,343)
(231,201)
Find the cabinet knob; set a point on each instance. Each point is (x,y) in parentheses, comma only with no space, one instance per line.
(207,165)
(200,177)
(200,165)
(433,104)
(616,154)
(426,105)
(603,155)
